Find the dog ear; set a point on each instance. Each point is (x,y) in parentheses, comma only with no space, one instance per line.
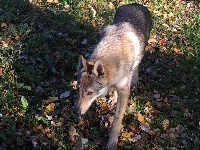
(82,63)
(99,68)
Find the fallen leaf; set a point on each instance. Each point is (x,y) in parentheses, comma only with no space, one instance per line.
(111,6)
(34,142)
(93,11)
(18,38)
(50,100)
(152,40)
(165,124)
(28,133)
(74,84)
(103,104)
(51,135)
(50,107)
(135,138)
(84,141)
(163,40)
(141,118)
(55,140)
(5,44)
(176,49)
(4,25)
(126,134)
(46,130)
(57,124)
(39,89)
(84,42)
(65,94)
(159,104)
(52,1)
(49,117)
(66,7)
(189,48)
(145,127)
(37,127)
(172,135)
(173,113)
(1,71)
(72,133)
(156,96)
(171,14)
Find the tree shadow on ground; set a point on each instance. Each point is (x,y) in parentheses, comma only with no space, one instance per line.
(46,44)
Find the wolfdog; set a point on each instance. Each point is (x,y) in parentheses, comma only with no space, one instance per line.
(114,63)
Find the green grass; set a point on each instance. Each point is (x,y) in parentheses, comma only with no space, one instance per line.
(39,49)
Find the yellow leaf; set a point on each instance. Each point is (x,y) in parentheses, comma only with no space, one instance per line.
(141,119)
(55,140)
(50,107)
(127,134)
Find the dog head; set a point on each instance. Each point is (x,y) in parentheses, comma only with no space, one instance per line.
(91,83)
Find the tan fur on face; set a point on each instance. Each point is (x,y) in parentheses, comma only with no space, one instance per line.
(85,79)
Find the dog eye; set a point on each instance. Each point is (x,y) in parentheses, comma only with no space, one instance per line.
(89,93)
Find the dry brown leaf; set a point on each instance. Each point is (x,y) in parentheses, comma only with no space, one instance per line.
(37,127)
(51,135)
(18,38)
(152,40)
(189,48)
(5,44)
(4,25)
(46,130)
(1,71)
(50,100)
(163,40)
(176,49)
(149,47)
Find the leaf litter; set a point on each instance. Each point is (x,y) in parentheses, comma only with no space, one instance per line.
(163,119)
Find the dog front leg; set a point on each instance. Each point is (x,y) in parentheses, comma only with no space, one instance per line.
(123,94)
